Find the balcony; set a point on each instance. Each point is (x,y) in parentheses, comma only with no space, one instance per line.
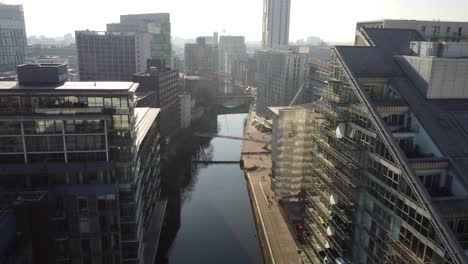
(348,178)
(404,251)
(388,107)
(429,163)
(326,233)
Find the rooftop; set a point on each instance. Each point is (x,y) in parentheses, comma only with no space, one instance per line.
(6,87)
(144,119)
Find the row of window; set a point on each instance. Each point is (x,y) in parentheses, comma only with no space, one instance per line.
(63,101)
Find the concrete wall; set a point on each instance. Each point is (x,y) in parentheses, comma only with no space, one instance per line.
(449,79)
(445,29)
(437,78)
(440,49)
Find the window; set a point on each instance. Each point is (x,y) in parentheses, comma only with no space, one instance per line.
(83,206)
(448,30)
(460,31)
(423,29)
(84,225)
(85,245)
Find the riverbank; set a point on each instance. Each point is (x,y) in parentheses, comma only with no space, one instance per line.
(278,244)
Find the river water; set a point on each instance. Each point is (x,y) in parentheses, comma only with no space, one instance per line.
(216,218)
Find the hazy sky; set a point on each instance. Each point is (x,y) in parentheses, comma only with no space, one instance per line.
(332,20)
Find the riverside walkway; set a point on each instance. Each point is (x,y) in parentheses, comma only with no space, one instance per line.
(277,241)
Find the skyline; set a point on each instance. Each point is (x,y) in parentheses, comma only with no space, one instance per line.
(190,19)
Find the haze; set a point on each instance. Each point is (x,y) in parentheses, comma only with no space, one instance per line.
(332,20)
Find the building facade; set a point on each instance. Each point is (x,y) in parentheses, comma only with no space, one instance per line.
(97,155)
(201,58)
(388,183)
(275,30)
(281,74)
(158,25)
(185,110)
(432,30)
(159,87)
(290,150)
(233,58)
(13,39)
(111,56)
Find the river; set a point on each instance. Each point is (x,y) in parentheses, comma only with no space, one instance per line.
(215,223)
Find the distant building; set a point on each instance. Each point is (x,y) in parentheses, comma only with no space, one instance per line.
(159,87)
(67,53)
(201,58)
(185,110)
(158,25)
(111,56)
(211,40)
(276,16)
(281,74)
(13,39)
(95,152)
(432,30)
(233,58)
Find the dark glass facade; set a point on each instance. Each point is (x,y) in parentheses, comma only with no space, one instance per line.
(98,156)
(12,37)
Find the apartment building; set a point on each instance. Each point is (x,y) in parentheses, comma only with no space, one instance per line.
(275,27)
(432,30)
(111,56)
(290,150)
(157,25)
(201,58)
(388,182)
(233,58)
(159,87)
(281,74)
(12,37)
(96,153)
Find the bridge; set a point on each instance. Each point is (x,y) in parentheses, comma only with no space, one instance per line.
(231,100)
(211,135)
(216,161)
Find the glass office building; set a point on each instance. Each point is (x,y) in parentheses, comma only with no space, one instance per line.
(97,153)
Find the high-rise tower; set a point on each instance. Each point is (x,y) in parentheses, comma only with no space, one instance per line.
(275,23)
(12,37)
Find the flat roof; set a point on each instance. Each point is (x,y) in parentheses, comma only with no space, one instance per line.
(144,118)
(70,86)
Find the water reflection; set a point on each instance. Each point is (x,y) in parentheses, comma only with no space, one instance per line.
(209,218)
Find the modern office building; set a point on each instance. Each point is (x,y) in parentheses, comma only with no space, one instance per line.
(233,58)
(66,52)
(95,152)
(281,74)
(432,30)
(158,25)
(13,39)
(389,181)
(211,40)
(159,87)
(111,56)
(201,58)
(275,30)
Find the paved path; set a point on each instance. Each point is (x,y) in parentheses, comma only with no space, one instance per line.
(280,242)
